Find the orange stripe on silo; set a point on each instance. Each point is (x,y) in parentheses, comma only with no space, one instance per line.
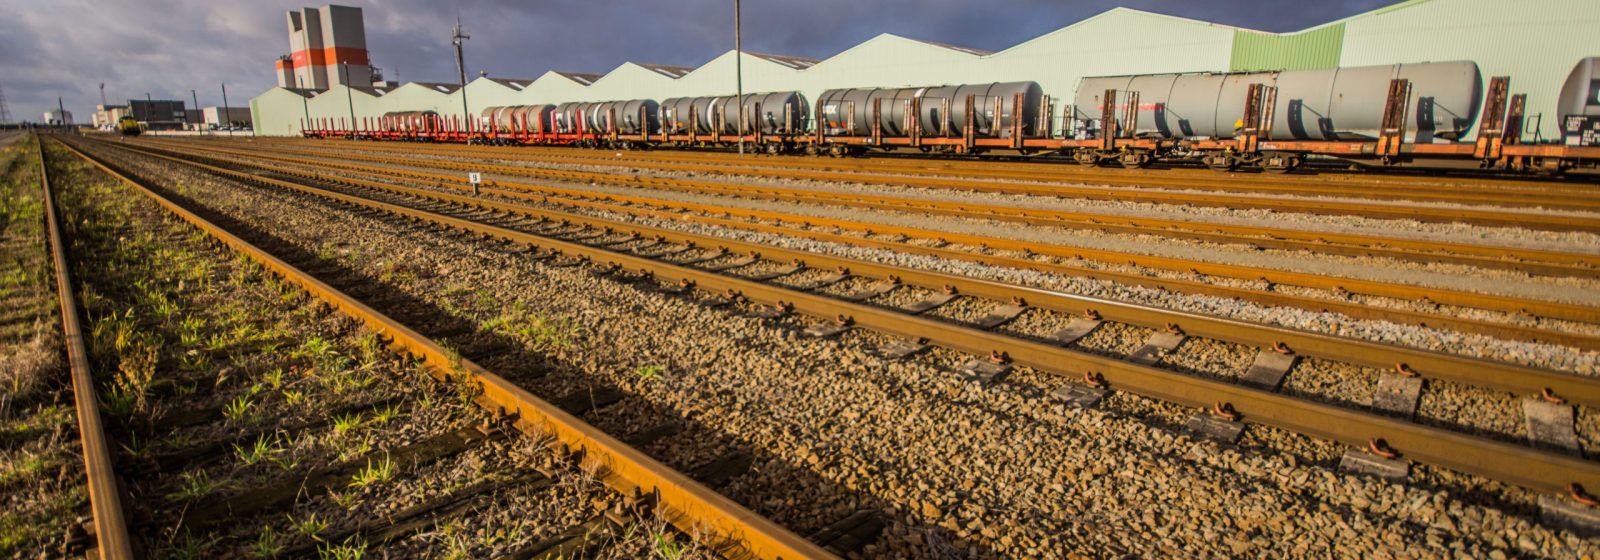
(348,55)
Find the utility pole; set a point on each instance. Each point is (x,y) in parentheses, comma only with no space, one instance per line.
(349,95)
(738,72)
(458,38)
(102,94)
(62,111)
(5,112)
(225,110)
(196,98)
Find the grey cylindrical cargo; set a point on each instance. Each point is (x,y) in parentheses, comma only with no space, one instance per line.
(534,118)
(566,117)
(1326,104)
(777,110)
(594,117)
(675,115)
(772,118)
(515,118)
(703,109)
(1580,95)
(849,111)
(628,116)
(412,120)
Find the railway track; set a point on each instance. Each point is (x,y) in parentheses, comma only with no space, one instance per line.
(641,487)
(1526,260)
(1055,180)
(678,263)
(1444,317)
(110,523)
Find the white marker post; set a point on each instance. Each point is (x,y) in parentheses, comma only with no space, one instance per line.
(475,178)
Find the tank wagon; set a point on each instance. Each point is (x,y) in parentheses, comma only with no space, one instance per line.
(1433,112)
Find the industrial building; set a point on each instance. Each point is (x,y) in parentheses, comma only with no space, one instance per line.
(159,114)
(328,47)
(108,115)
(1537,48)
(221,117)
(57,117)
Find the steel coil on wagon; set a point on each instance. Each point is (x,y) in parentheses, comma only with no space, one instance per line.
(1580,94)
(675,115)
(624,117)
(778,112)
(533,118)
(567,116)
(515,118)
(1339,104)
(411,121)
(943,109)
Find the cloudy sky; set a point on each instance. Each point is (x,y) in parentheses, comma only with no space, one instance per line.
(165,48)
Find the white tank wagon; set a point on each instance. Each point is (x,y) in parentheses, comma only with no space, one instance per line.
(1336,104)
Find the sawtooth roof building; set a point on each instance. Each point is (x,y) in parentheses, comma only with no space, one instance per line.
(1497,35)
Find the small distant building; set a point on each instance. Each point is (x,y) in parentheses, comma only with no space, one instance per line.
(158,114)
(108,115)
(57,117)
(220,117)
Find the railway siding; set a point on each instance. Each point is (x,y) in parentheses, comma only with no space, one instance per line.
(402,449)
(1534,469)
(1532,260)
(1432,313)
(41,477)
(1493,374)
(1124,472)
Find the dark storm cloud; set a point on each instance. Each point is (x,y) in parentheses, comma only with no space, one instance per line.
(167,47)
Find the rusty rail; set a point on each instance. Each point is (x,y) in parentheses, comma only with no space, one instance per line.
(105,497)
(684,502)
(1532,261)
(1512,192)
(1478,372)
(983,176)
(1507,304)
(1519,465)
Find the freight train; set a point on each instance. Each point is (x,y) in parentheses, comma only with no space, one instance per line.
(1400,114)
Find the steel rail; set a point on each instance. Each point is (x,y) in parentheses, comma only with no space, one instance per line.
(1514,464)
(1533,261)
(105,496)
(1459,190)
(1406,292)
(687,504)
(608,202)
(1020,183)
(1490,374)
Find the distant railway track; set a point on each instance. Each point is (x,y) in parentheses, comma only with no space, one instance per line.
(990,176)
(641,482)
(640,254)
(1443,318)
(1532,261)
